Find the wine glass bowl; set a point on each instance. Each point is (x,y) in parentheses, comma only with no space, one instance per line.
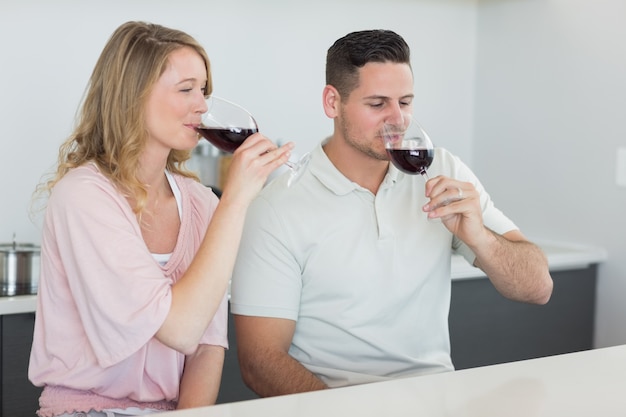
(408,146)
(227,125)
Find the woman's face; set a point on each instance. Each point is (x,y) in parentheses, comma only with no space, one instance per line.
(176,103)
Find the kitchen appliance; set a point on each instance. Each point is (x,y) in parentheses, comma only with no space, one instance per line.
(19,268)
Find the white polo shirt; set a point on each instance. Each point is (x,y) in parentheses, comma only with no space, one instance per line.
(366,277)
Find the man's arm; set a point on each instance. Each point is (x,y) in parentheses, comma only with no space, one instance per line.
(266,366)
(517,268)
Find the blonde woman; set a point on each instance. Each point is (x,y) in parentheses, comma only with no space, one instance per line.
(136,253)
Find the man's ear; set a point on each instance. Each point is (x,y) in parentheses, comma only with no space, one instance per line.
(330,100)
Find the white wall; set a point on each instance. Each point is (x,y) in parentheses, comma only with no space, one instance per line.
(550,115)
(547,114)
(267,55)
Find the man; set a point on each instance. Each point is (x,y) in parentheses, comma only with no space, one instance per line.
(344,277)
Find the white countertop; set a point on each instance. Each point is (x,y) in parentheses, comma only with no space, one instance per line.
(582,384)
(561,256)
(18,304)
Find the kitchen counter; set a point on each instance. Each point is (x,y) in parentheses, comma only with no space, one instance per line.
(561,256)
(589,383)
(18,304)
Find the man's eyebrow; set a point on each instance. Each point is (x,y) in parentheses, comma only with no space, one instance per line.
(379,97)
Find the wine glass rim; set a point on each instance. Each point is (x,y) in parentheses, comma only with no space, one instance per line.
(220,98)
(208,115)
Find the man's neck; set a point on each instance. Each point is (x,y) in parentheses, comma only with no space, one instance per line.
(358,167)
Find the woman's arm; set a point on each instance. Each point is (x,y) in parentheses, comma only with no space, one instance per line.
(200,383)
(197,295)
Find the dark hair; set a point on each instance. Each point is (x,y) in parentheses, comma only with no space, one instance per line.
(353,51)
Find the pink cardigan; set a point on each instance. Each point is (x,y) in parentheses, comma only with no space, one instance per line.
(102,297)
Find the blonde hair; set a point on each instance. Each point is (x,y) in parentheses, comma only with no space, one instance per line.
(110,128)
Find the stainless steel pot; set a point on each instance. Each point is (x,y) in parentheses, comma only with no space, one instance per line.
(19,268)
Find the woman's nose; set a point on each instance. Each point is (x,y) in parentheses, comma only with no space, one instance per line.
(201,104)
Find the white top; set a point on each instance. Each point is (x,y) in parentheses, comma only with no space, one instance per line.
(163,258)
(582,384)
(366,277)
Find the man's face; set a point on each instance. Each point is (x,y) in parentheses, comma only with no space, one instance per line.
(384,94)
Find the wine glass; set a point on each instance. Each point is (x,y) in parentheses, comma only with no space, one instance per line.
(226,125)
(408,146)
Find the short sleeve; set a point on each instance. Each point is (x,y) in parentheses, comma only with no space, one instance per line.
(493,218)
(260,287)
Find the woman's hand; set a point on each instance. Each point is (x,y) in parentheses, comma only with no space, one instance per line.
(252,163)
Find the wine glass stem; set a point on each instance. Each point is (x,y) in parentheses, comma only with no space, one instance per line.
(425,175)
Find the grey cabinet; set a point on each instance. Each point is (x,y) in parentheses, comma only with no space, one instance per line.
(232,387)
(486,328)
(18,397)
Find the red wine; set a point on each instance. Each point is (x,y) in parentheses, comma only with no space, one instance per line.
(411,161)
(226,139)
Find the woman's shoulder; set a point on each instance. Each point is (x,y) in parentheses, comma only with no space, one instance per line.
(84,185)
(82,177)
